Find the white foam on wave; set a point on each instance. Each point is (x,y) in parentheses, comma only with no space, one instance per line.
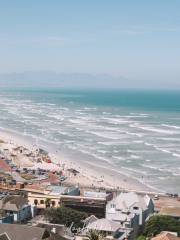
(104,134)
(102,151)
(80,113)
(77,121)
(106,113)
(115,151)
(157,130)
(86,118)
(90,108)
(170,126)
(105,128)
(164,169)
(116,121)
(162,150)
(169,139)
(100,158)
(56,116)
(134,134)
(138,141)
(163,178)
(176,174)
(119,158)
(157,168)
(108,143)
(28,117)
(135,170)
(148,144)
(73,147)
(64,109)
(135,115)
(79,129)
(135,156)
(65,133)
(176,155)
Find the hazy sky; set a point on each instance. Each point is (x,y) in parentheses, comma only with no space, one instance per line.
(138,39)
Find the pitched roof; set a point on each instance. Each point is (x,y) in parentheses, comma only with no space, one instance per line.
(13,203)
(104,224)
(22,232)
(90,219)
(4,236)
(165,236)
(126,200)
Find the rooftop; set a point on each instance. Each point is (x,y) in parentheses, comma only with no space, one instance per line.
(104,224)
(127,200)
(165,236)
(59,190)
(12,203)
(21,232)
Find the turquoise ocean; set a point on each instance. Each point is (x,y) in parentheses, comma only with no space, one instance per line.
(135,132)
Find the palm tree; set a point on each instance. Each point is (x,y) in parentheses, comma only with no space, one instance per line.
(47,202)
(94,235)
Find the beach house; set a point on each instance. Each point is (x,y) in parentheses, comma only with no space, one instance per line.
(16,206)
(50,196)
(6,218)
(109,229)
(130,210)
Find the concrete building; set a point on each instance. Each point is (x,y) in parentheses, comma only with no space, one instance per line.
(51,196)
(42,199)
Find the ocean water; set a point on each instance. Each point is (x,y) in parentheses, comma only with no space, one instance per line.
(135,132)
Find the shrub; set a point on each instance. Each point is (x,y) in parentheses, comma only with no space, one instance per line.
(66,216)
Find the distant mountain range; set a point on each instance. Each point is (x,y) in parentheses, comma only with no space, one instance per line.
(61,80)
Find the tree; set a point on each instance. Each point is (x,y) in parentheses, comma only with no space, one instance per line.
(94,235)
(47,202)
(141,237)
(159,223)
(66,216)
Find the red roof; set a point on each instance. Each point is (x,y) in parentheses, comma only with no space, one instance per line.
(165,236)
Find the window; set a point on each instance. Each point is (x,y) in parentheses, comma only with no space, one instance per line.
(127,225)
(53,203)
(41,201)
(135,208)
(113,205)
(35,201)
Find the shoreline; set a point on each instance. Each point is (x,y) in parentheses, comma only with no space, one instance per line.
(90,175)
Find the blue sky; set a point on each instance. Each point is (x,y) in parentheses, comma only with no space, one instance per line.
(138,39)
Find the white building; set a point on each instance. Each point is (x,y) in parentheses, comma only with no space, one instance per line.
(109,229)
(130,210)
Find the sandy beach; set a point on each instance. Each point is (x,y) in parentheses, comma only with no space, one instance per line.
(89,176)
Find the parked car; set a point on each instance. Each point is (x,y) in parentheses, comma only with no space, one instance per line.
(156,197)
